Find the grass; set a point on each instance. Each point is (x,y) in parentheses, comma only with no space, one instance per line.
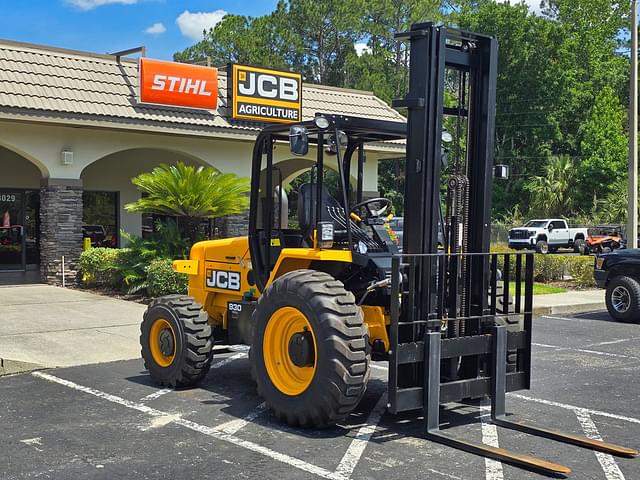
(538,289)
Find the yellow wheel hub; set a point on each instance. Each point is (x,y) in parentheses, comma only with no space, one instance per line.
(162,342)
(289,333)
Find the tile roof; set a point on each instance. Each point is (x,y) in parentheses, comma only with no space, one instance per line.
(61,85)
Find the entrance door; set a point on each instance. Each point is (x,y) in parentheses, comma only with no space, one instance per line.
(12,230)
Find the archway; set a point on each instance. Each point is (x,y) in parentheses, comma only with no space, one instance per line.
(108,188)
(20,181)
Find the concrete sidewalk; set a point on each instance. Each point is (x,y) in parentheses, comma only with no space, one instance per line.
(574,301)
(47,326)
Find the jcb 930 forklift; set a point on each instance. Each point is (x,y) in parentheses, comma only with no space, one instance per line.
(318,299)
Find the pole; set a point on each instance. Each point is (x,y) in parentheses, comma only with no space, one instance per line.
(632,212)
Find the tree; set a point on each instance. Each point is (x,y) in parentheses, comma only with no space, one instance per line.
(551,193)
(190,194)
(604,145)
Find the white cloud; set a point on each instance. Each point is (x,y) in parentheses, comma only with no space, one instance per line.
(155,29)
(361,48)
(534,5)
(193,24)
(91,4)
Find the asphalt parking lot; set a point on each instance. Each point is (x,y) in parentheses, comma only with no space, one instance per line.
(106,421)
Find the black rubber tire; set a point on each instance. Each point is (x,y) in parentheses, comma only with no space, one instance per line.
(342,357)
(577,245)
(542,247)
(632,286)
(194,341)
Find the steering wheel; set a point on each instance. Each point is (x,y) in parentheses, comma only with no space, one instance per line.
(386,203)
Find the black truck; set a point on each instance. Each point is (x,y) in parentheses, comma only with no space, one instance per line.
(619,273)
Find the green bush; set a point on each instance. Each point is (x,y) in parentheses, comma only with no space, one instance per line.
(98,266)
(162,280)
(553,268)
(549,268)
(581,269)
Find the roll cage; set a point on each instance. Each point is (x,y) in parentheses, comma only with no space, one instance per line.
(266,235)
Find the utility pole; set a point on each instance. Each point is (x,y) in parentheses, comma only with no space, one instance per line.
(632,212)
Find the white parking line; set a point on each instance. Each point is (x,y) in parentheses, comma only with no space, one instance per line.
(358,444)
(493,468)
(608,464)
(234,426)
(229,360)
(209,431)
(156,394)
(575,408)
(582,350)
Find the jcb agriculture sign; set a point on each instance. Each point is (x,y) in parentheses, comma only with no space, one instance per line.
(264,95)
(178,84)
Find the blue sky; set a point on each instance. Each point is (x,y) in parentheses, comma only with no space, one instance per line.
(163,26)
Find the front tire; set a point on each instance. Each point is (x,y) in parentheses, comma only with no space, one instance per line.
(176,341)
(623,299)
(542,247)
(309,349)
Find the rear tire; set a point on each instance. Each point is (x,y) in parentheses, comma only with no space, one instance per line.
(176,341)
(577,245)
(340,358)
(542,247)
(623,299)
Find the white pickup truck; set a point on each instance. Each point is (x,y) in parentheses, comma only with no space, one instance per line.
(547,235)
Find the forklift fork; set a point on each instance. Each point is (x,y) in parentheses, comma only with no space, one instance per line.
(432,358)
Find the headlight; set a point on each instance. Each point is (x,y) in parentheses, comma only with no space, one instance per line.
(321,122)
(599,263)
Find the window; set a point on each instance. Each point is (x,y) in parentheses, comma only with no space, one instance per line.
(100,218)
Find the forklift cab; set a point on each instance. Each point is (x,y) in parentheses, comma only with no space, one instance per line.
(326,215)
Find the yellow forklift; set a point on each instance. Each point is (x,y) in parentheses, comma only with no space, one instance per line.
(320,292)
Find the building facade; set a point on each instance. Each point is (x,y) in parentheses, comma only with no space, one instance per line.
(73,134)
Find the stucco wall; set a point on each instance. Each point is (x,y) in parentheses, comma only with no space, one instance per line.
(107,159)
(17,172)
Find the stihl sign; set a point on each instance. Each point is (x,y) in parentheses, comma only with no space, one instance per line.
(178,84)
(264,95)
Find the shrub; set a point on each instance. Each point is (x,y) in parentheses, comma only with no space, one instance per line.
(98,266)
(581,269)
(549,268)
(162,280)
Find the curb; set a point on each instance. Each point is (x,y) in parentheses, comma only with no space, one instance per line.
(570,308)
(13,367)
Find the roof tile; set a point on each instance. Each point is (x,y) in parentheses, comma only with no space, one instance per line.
(72,83)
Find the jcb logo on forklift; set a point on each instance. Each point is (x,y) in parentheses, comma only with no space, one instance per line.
(223,279)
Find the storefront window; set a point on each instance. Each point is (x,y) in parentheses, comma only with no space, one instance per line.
(100,218)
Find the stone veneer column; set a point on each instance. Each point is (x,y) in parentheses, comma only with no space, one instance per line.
(232,225)
(60,229)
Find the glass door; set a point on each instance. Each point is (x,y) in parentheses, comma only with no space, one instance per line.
(12,230)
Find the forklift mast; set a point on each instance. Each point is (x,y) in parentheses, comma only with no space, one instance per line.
(451,307)
(438,52)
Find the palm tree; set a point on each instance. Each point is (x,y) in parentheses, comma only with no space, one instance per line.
(551,193)
(190,194)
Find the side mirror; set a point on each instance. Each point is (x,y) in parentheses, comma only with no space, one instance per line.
(550,228)
(298,140)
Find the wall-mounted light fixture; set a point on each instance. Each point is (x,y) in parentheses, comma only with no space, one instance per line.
(66,157)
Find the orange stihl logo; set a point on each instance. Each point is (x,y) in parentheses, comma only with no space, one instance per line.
(178,84)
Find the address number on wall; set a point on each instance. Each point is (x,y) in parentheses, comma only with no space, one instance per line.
(7,197)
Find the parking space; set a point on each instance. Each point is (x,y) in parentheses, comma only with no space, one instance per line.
(108,421)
